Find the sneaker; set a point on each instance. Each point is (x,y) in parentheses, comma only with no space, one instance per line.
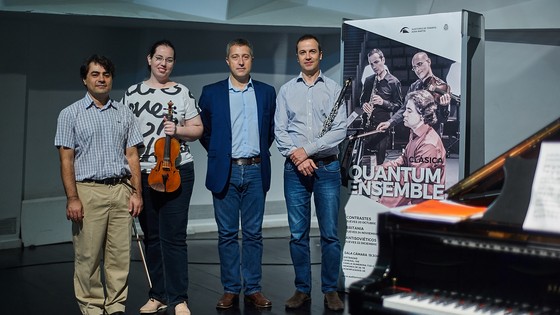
(152,306)
(182,309)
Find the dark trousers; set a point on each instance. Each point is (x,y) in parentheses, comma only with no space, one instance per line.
(164,223)
(377,142)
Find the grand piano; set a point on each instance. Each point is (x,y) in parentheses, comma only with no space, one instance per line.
(489,265)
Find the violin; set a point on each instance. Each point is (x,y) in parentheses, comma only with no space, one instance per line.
(438,88)
(165,177)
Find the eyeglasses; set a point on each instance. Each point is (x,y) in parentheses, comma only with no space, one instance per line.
(418,65)
(161,59)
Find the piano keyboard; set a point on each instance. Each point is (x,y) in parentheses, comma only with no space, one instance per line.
(445,303)
(530,250)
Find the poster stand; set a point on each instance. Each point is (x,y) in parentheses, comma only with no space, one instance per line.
(453,44)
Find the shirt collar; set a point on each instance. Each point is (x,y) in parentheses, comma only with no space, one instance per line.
(422,130)
(386,77)
(319,78)
(89,102)
(233,88)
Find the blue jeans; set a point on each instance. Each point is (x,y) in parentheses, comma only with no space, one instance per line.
(243,196)
(164,223)
(325,187)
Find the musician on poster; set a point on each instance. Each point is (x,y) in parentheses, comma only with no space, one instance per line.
(422,67)
(381,95)
(419,173)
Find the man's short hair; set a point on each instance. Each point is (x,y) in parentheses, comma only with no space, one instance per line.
(100,60)
(425,105)
(306,37)
(376,51)
(239,42)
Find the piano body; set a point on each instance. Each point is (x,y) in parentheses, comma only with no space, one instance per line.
(481,266)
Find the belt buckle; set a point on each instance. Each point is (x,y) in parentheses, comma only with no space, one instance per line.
(326,160)
(246,161)
(113,181)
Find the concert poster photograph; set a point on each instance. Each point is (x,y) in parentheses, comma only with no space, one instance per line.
(402,145)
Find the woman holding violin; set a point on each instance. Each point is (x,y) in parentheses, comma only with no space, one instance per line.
(168,118)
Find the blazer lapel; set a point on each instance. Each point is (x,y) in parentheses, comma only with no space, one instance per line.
(226,110)
(260,101)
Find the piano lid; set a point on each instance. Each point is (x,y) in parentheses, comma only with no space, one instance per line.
(484,185)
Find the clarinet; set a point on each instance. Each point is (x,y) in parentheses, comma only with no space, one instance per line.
(369,118)
(327,124)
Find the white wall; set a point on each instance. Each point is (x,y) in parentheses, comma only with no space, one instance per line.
(520,97)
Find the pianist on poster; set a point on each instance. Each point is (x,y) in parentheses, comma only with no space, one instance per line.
(421,167)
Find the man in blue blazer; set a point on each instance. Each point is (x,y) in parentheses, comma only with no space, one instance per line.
(238,116)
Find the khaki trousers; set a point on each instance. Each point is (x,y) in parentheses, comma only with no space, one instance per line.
(102,239)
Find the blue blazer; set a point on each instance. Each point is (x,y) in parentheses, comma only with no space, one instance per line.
(216,138)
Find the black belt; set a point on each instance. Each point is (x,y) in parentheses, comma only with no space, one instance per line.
(107,181)
(325,160)
(247,161)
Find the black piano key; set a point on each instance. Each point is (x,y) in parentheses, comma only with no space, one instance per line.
(444,301)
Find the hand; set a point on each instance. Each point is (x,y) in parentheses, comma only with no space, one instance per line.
(444,99)
(307,167)
(135,204)
(377,100)
(74,209)
(169,127)
(383,126)
(368,108)
(298,156)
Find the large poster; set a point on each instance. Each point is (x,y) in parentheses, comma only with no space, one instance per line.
(403,126)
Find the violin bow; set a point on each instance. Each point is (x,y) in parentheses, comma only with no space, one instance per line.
(141,252)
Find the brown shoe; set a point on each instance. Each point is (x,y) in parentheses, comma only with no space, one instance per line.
(333,302)
(227,300)
(297,300)
(258,300)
